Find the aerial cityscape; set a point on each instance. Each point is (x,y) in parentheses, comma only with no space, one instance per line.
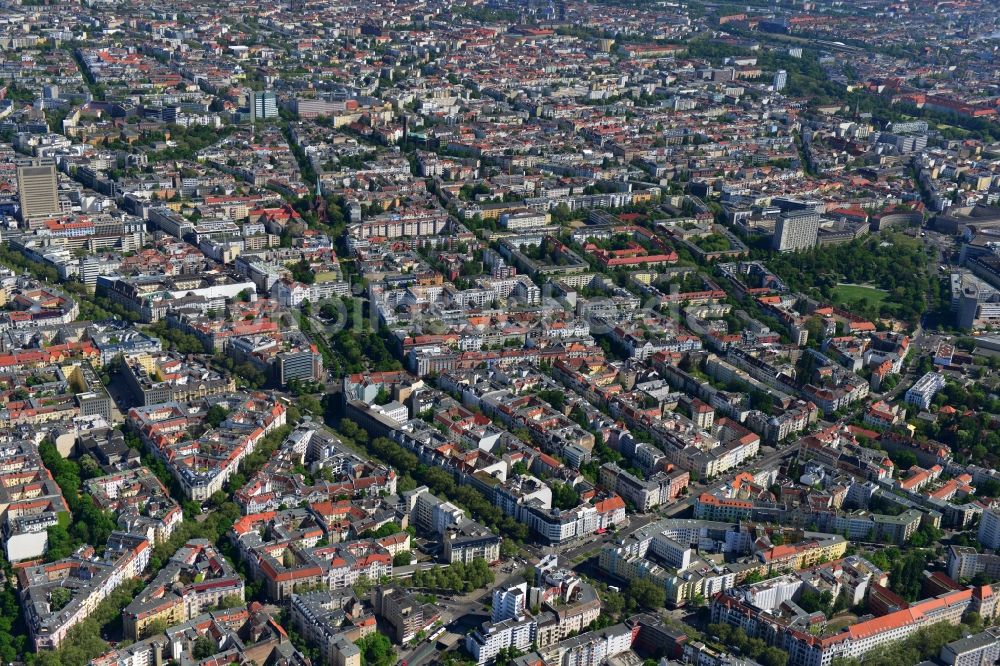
(500,333)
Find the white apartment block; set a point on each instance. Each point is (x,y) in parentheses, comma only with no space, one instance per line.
(922,393)
(486,642)
(989,529)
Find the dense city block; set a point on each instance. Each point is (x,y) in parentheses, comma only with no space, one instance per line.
(500,333)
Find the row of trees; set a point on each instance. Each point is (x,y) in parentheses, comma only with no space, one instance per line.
(439,481)
(84,641)
(13,632)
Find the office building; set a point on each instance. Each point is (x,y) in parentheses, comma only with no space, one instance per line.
(37,190)
(975,302)
(780,79)
(263,105)
(796,230)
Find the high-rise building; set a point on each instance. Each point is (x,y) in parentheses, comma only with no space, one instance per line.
(509,602)
(780,79)
(36,185)
(989,529)
(263,105)
(977,303)
(796,230)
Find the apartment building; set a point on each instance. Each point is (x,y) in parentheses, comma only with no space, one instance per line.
(591,648)
(30,501)
(282,549)
(88,578)
(989,529)
(509,602)
(965,562)
(485,642)
(469,541)
(196,579)
(403,612)
(644,494)
(140,502)
(807,649)
(333,621)
(203,465)
(922,393)
(976,650)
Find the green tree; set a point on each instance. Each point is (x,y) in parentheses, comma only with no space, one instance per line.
(388,529)
(564,496)
(216,415)
(155,627)
(812,601)
(203,648)
(59,597)
(376,650)
(906,574)
(612,603)
(60,543)
(507,655)
(645,593)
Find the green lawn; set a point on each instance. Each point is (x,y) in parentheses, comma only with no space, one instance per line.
(849,293)
(908,242)
(943,126)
